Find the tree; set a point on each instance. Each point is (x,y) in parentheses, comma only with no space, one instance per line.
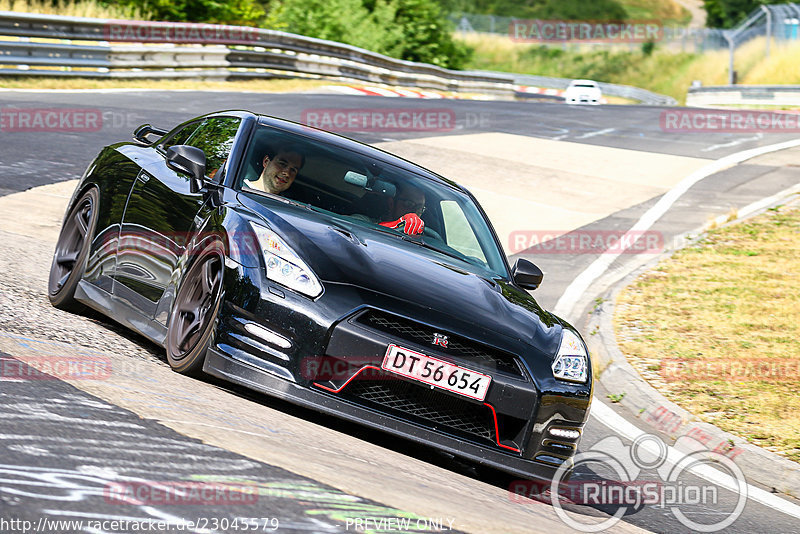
(238,12)
(415,30)
(729,13)
(427,35)
(344,21)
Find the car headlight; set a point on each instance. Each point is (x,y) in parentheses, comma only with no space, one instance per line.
(571,360)
(284,266)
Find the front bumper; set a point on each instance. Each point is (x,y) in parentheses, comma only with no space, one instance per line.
(509,430)
(227,368)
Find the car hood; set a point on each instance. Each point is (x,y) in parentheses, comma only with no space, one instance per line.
(433,287)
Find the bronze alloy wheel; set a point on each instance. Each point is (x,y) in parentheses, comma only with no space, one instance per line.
(72,248)
(194,312)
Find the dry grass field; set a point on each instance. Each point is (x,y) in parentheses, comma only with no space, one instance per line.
(716,328)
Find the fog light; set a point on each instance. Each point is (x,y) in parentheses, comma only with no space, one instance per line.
(564,433)
(268,335)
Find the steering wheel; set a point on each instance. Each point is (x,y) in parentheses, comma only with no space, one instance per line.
(430,232)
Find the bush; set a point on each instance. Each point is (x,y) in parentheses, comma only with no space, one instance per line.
(729,13)
(415,30)
(427,35)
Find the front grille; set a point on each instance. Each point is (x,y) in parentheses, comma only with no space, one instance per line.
(465,349)
(432,407)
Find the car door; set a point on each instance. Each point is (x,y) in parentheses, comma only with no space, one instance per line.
(115,171)
(160,217)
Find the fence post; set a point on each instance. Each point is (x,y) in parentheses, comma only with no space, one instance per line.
(795,30)
(731,49)
(766,10)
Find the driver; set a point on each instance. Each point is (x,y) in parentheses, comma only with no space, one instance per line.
(280,170)
(407,208)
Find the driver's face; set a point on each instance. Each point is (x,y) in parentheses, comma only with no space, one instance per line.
(409,200)
(279,172)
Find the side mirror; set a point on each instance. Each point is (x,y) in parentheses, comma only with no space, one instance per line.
(140,134)
(526,275)
(188,160)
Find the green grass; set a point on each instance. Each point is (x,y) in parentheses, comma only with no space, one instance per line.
(730,300)
(665,11)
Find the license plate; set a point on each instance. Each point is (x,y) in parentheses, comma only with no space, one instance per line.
(435,372)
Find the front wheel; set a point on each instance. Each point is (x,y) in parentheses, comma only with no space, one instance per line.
(194,313)
(72,249)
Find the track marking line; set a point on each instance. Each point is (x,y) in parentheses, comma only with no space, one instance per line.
(582,282)
(620,426)
(733,143)
(595,133)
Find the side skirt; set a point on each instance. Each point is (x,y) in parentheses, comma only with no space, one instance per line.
(105,303)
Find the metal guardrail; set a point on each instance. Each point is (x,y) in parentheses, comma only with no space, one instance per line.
(93,49)
(744,95)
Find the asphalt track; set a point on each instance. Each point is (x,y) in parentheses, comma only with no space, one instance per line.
(62,445)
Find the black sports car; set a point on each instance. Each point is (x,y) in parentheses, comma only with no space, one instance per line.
(329,273)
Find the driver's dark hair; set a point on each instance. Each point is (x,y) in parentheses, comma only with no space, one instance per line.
(290,148)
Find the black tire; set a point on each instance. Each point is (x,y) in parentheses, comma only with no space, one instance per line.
(194,313)
(72,250)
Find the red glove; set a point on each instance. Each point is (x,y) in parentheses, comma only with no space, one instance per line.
(410,223)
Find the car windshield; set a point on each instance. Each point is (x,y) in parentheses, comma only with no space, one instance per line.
(365,191)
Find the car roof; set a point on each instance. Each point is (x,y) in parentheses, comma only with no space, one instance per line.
(588,82)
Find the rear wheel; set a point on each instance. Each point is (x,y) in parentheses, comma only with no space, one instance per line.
(72,249)
(194,313)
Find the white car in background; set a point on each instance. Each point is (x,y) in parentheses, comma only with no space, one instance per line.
(583,92)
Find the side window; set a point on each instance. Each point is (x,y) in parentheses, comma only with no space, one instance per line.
(215,137)
(179,137)
(458,231)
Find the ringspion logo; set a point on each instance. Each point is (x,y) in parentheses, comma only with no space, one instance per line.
(626,477)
